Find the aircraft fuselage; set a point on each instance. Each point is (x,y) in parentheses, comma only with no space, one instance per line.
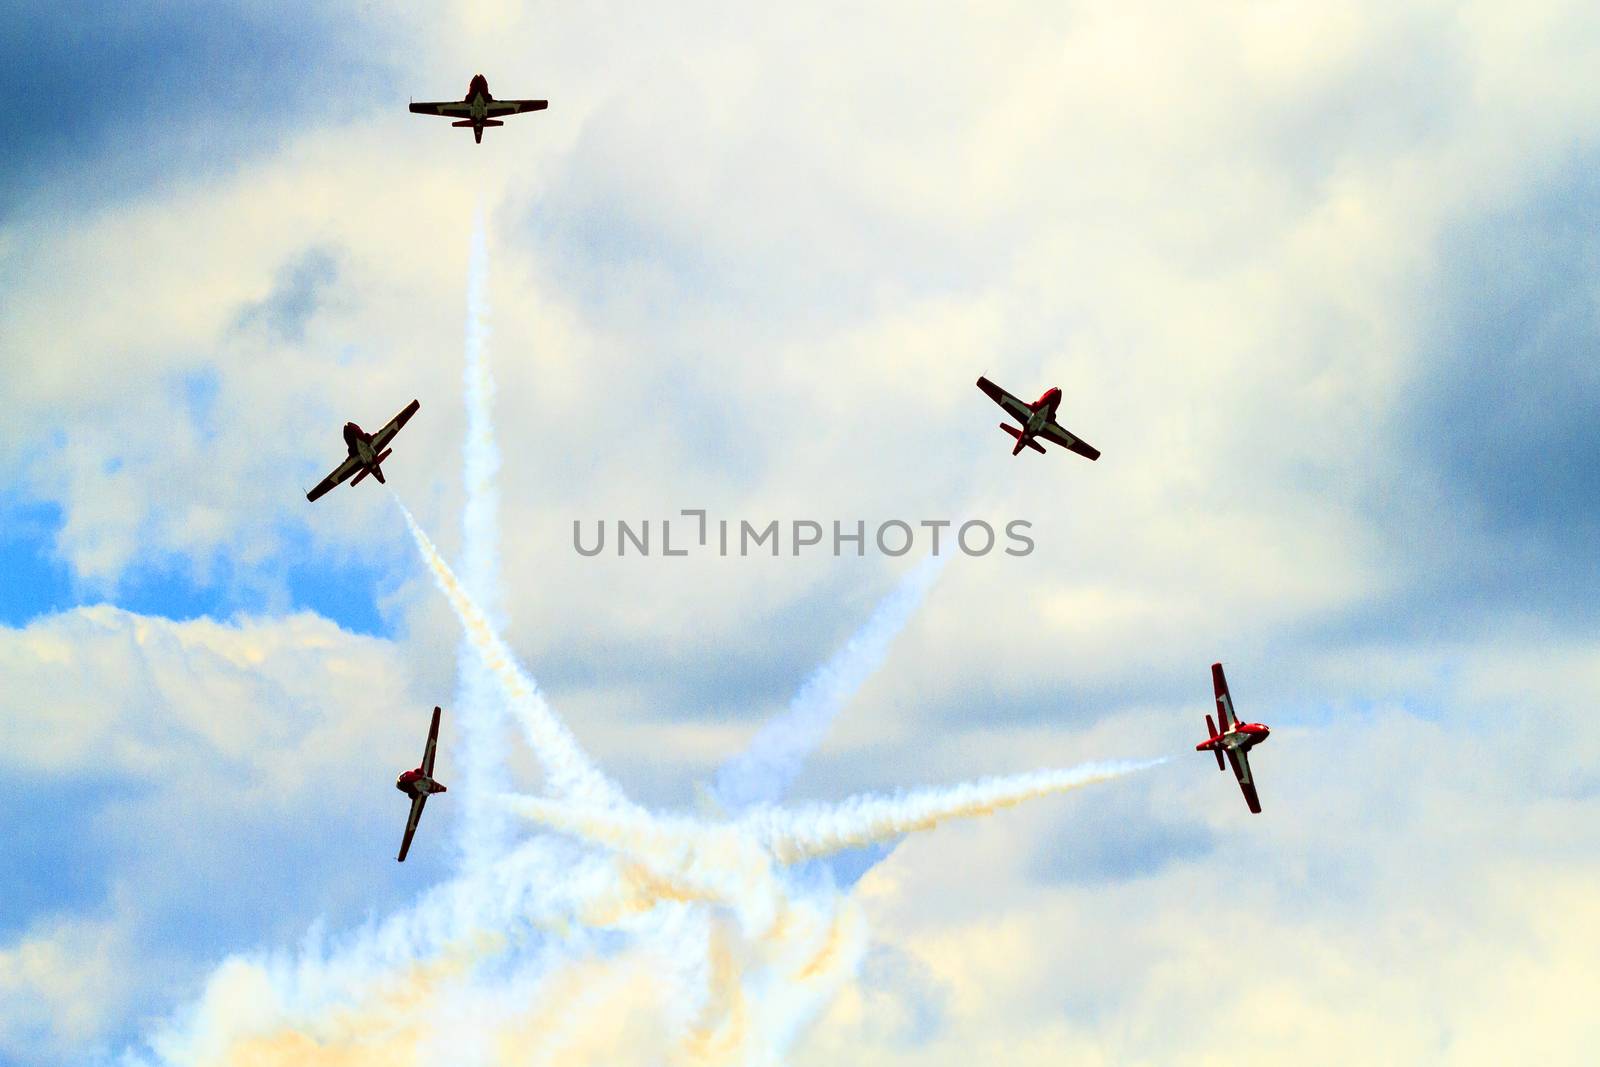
(1243,737)
(1044,411)
(414,783)
(359,443)
(478,99)
(478,109)
(1235,738)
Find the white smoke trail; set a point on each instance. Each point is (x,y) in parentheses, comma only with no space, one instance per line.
(683,943)
(311,1007)
(703,853)
(480,709)
(688,858)
(775,757)
(567,768)
(814,830)
(480,456)
(679,942)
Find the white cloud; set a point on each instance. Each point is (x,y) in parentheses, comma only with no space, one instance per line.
(226,774)
(63,986)
(106,691)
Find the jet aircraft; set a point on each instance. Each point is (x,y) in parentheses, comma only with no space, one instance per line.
(1236,739)
(1038,420)
(418,784)
(478,108)
(367,452)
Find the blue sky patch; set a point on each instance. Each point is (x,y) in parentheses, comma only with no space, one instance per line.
(299,577)
(33,581)
(59,860)
(166,88)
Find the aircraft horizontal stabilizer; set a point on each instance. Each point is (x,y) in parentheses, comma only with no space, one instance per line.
(1017,434)
(1211,732)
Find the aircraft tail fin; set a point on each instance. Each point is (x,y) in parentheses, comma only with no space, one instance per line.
(478,127)
(1021,439)
(1211,731)
(376,470)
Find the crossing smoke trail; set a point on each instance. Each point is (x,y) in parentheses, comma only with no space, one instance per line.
(480,712)
(763,773)
(775,757)
(568,770)
(816,830)
(794,835)
(679,941)
(518,958)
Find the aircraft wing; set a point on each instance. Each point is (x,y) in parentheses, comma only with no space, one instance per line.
(411,823)
(1247,784)
(441,107)
(1225,715)
(1053,432)
(1017,409)
(516,107)
(433,744)
(340,473)
(385,435)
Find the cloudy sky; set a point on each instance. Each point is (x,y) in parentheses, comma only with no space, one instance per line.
(1321,281)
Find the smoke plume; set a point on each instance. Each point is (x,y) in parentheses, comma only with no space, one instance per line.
(480,717)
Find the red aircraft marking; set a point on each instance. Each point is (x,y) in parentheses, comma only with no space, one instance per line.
(355,439)
(478,109)
(419,784)
(1038,421)
(1234,740)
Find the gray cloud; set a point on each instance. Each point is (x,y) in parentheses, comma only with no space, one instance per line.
(1504,416)
(107,101)
(1124,835)
(298,292)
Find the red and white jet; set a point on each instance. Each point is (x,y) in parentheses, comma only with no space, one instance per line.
(1038,420)
(367,452)
(418,784)
(1236,739)
(478,108)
